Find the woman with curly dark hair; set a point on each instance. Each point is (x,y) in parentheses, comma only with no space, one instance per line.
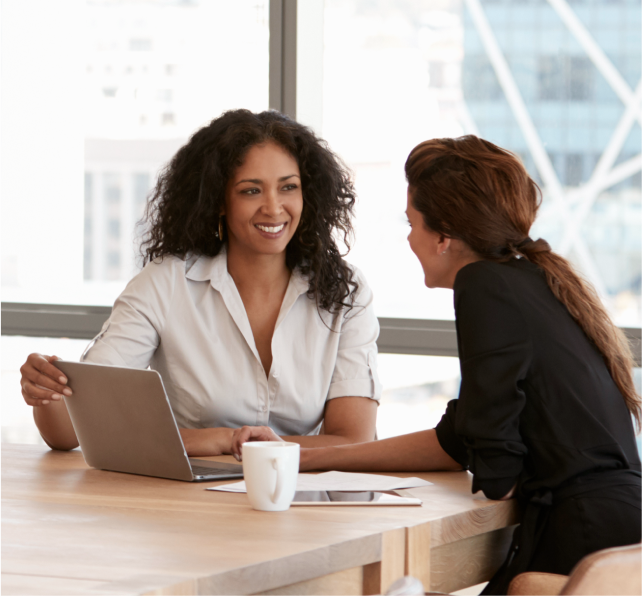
(245,305)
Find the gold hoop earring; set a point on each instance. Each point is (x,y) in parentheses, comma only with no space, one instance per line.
(220,228)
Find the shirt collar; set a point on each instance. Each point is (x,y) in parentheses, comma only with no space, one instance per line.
(214,270)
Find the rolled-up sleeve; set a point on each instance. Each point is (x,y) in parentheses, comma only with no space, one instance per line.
(447,435)
(355,371)
(495,353)
(132,333)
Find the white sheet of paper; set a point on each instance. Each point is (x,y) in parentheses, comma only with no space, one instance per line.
(339,481)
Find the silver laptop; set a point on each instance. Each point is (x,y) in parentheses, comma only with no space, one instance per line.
(124,423)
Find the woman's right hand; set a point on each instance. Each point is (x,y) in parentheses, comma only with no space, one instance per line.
(251,433)
(41,382)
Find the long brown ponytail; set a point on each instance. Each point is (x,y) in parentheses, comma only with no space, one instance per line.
(470,189)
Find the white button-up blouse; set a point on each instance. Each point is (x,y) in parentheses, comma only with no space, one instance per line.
(186,319)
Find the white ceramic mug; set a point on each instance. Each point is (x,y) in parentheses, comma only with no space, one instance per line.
(270,469)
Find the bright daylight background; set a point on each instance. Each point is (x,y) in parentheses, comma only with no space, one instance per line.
(98,95)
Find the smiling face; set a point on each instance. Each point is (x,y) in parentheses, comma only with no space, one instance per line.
(263,201)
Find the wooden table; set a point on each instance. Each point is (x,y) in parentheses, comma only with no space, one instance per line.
(69,529)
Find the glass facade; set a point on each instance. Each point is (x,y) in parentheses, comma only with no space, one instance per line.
(557,83)
(575,67)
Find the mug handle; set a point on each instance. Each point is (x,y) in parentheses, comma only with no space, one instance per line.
(279,466)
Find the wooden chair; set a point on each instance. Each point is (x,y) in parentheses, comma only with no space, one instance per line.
(612,571)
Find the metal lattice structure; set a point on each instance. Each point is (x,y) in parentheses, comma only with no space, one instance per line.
(570,205)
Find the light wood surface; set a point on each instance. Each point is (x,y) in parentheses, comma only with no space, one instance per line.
(349,581)
(461,564)
(69,529)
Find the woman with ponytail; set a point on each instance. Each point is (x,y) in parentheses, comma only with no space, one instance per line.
(547,398)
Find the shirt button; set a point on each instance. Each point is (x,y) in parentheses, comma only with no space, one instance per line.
(264,408)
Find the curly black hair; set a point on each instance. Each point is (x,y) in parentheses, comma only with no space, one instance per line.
(183,211)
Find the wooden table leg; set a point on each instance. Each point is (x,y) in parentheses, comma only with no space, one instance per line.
(377,577)
(418,553)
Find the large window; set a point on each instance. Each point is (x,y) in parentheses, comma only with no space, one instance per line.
(380,101)
(94,106)
(97,97)
(557,83)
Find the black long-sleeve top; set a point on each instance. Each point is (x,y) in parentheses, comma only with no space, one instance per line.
(537,405)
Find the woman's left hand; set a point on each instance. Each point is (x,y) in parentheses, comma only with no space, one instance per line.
(251,433)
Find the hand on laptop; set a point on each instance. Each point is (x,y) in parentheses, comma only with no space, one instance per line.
(41,382)
(251,433)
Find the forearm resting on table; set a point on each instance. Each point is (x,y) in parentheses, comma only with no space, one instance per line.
(325,440)
(347,420)
(218,441)
(416,452)
(55,426)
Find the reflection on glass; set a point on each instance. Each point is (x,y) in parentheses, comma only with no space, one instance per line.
(152,73)
(556,87)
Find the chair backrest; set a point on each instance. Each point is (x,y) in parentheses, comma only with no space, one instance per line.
(610,571)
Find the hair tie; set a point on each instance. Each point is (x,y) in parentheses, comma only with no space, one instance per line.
(533,246)
(512,250)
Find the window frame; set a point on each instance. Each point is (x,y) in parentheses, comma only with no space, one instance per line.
(422,337)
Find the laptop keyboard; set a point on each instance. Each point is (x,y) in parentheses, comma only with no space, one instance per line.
(208,470)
